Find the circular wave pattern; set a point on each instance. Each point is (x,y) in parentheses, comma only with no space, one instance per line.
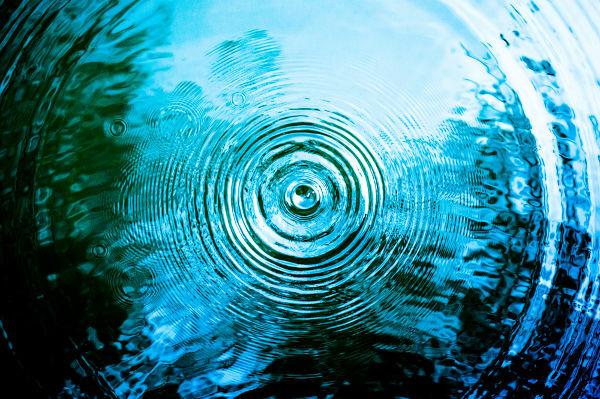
(265,200)
(293,205)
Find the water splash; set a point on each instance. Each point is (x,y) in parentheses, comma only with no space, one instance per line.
(268,200)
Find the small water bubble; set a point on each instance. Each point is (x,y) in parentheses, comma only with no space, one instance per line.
(118,127)
(238,99)
(99,250)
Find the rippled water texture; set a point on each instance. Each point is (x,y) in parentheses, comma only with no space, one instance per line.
(300,199)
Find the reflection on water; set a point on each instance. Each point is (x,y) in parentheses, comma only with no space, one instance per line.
(258,199)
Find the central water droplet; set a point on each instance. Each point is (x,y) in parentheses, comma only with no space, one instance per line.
(304,199)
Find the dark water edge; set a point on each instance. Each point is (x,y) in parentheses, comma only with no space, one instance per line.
(40,349)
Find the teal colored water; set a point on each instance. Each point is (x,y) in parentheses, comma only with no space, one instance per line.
(298,199)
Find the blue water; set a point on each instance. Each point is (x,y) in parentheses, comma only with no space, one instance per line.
(301,199)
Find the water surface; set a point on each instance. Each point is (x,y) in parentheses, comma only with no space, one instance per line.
(301,198)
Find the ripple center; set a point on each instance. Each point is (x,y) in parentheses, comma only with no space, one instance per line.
(302,199)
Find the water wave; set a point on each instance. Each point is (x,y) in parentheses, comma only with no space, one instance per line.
(297,200)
